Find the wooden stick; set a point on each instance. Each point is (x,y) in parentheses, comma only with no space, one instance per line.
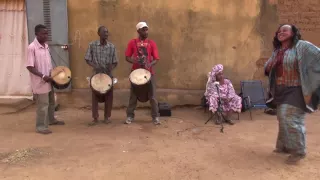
(57,73)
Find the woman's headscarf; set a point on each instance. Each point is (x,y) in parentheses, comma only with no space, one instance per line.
(215,70)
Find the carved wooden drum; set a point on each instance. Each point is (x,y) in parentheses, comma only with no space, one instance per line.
(101,83)
(140,81)
(61,76)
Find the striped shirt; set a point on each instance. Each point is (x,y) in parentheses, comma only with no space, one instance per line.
(101,56)
(300,66)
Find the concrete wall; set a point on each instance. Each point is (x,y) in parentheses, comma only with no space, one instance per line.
(192,36)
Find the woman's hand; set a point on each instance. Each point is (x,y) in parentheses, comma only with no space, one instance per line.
(226,99)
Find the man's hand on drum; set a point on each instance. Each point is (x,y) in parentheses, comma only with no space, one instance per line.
(153,63)
(110,67)
(141,62)
(99,69)
(47,78)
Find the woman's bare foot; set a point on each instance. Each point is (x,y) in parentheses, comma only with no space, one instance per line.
(281,151)
(295,158)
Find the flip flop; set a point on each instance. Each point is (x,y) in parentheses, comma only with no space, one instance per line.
(271,112)
(57,123)
(93,123)
(47,131)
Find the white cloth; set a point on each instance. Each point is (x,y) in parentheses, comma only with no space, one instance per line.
(141,25)
(209,79)
(15,80)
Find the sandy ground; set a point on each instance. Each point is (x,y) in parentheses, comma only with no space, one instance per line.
(182,148)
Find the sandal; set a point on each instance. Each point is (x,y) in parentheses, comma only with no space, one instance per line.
(106,121)
(57,123)
(46,131)
(93,123)
(272,112)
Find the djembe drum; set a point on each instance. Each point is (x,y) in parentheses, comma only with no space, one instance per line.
(61,76)
(140,81)
(101,84)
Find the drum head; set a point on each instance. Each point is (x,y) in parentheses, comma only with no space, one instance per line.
(61,75)
(101,83)
(140,76)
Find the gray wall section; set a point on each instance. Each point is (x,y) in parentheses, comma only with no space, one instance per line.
(59,32)
(59,20)
(34,16)
(59,29)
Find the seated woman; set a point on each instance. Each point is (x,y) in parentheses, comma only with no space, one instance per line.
(231,102)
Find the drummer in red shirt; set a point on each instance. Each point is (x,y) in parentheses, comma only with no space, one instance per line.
(143,52)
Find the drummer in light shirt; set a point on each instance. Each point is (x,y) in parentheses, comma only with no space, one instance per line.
(143,53)
(39,65)
(101,56)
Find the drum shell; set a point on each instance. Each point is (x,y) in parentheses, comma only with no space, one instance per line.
(142,91)
(55,71)
(61,86)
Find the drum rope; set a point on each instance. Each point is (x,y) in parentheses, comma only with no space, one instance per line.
(53,60)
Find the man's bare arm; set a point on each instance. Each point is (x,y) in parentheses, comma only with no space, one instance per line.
(154,62)
(114,65)
(129,60)
(90,63)
(34,71)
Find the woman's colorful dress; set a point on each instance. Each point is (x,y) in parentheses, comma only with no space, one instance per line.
(230,100)
(287,88)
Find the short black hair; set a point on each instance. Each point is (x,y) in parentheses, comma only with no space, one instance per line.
(99,29)
(39,27)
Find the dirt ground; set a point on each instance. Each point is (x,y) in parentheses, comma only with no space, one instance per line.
(181,148)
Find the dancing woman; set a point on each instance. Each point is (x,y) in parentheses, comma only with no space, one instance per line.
(293,81)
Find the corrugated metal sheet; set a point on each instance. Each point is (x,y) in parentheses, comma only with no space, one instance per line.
(53,14)
(47,17)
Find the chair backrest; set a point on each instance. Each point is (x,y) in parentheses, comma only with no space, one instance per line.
(254,90)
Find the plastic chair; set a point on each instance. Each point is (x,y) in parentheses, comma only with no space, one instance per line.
(253,95)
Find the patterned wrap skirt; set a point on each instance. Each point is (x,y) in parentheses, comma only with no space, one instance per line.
(292,132)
